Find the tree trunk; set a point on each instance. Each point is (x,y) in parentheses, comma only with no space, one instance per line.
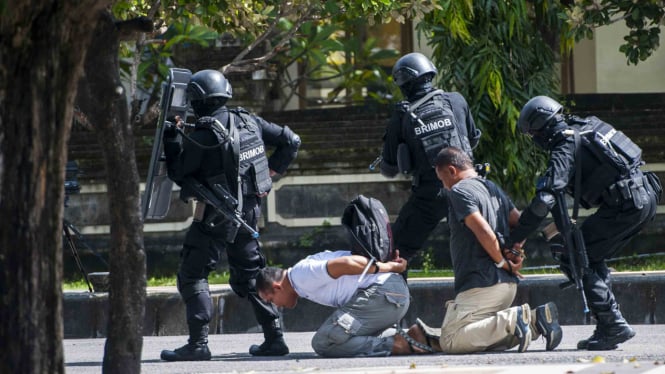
(102,99)
(42,48)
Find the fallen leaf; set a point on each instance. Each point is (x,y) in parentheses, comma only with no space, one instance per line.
(598,360)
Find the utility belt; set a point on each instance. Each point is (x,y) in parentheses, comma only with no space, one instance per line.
(627,193)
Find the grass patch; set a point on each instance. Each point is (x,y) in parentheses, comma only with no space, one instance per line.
(651,262)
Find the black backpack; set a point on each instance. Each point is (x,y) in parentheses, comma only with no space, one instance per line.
(368,226)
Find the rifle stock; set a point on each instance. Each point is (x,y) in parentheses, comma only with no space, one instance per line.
(224,205)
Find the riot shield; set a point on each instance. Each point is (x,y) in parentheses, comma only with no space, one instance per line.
(158,186)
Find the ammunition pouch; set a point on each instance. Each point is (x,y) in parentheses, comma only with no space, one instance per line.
(627,193)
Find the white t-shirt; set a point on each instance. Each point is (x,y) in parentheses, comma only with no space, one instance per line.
(310,279)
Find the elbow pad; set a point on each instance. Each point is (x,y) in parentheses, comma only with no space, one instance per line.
(388,170)
(293,139)
(541,204)
(532,216)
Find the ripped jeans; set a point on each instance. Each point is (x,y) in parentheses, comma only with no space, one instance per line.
(357,328)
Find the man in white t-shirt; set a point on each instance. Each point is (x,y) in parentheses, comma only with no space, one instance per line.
(367,306)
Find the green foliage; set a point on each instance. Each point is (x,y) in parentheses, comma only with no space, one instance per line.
(642,18)
(495,56)
(428,260)
(310,238)
(499,54)
(650,262)
(304,31)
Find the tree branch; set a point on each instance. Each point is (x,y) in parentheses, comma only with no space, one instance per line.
(239,65)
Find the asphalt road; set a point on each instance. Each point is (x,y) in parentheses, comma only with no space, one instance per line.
(645,353)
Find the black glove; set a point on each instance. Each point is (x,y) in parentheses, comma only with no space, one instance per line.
(170,130)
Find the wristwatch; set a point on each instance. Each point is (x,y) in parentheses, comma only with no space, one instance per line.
(500,263)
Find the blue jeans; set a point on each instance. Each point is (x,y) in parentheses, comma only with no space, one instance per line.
(355,329)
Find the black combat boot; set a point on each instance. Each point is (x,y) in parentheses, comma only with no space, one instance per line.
(195,350)
(584,343)
(612,329)
(274,344)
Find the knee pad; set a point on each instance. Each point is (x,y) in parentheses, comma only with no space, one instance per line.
(199,309)
(191,287)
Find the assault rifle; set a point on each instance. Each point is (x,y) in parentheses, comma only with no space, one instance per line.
(573,257)
(221,200)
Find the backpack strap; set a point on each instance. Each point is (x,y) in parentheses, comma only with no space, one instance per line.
(494,192)
(578,173)
(423,99)
(234,163)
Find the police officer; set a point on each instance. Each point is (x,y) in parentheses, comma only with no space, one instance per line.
(226,147)
(427,121)
(623,194)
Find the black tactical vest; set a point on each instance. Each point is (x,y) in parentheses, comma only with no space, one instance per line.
(608,156)
(252,160)
(429,125)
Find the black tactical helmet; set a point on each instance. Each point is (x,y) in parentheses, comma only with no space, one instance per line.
(537,113)
(540,118)
(207,84)
(410,67)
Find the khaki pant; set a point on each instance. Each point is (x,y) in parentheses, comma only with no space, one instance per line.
(481,319)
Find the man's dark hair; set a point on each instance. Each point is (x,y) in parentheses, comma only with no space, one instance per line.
(455,157)
(266,277)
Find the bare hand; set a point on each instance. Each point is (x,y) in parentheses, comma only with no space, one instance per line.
(516,266)
(397,264)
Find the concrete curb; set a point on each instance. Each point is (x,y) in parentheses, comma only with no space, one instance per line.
(86,314)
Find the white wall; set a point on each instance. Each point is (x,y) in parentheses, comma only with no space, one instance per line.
(601,68)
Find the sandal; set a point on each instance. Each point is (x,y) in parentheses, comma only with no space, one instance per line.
(430,332)
(413,343)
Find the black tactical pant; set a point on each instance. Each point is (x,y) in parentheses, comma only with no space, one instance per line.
(418,218)
(201,254)
(605,233)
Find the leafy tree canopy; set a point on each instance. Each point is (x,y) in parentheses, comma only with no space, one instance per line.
(310,32)
(499,54)
(643,20)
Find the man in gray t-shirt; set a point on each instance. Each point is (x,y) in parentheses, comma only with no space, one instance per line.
(481,317)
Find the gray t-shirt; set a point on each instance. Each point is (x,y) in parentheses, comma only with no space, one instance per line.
(473,267)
